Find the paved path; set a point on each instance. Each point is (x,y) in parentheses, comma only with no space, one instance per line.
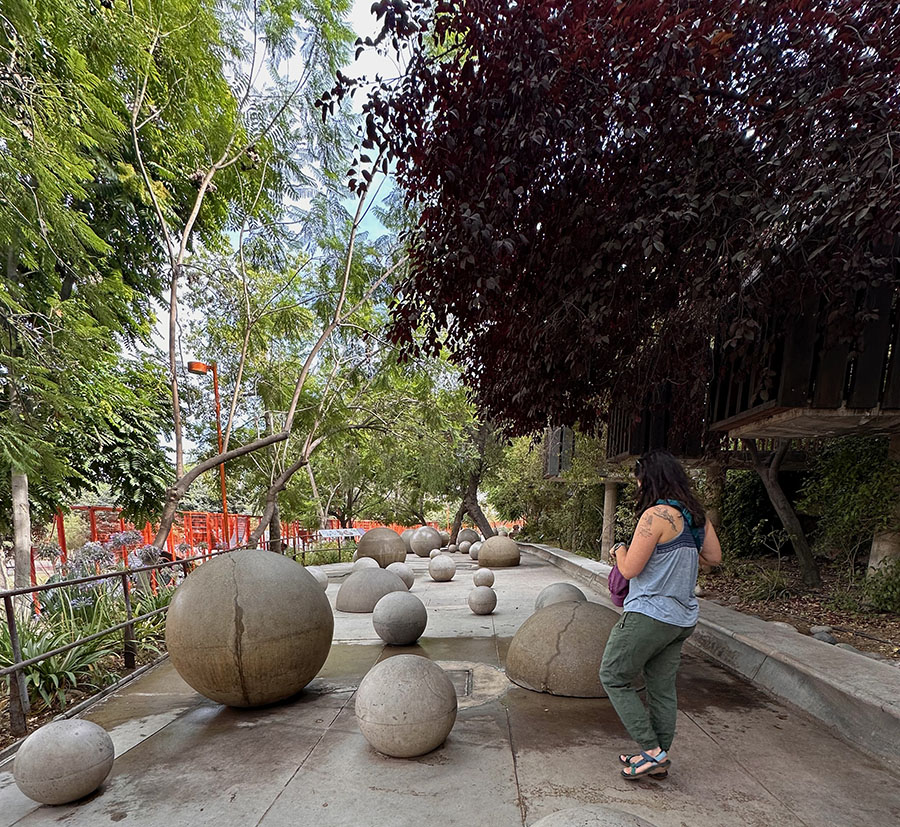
(513,757)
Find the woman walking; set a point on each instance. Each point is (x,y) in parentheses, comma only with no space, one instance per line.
(671,539)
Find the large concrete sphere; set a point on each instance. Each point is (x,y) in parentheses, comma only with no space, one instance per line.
(249,628)
(498,552)
(467,534)
(321,577)
(482,600)
(63,761)
(406,536)
(424,540)
(559,648)
(406,706)
(404,572)
(383,545)
(442,568)
(365,563)
(558,593)
(363,589)
(473,551)
(399,618)
(483,577)
(445,537)
(464,547)
(594,815)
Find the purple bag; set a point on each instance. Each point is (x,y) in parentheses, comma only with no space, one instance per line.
(618,587)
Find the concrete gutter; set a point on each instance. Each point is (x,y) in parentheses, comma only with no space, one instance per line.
(858,698)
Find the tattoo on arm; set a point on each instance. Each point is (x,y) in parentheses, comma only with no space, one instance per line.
(645,526)
(661,512)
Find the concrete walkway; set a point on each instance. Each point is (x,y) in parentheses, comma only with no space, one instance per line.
(513,757)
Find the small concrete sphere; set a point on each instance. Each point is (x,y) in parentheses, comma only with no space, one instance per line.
(467,534)
(453,548)
(63,761)
(406,706)
(445,537)
(434,553)
(482,600)
(406,536)
(249,628)
(399,618)
(442,568)
(365,563)
(558,593)
(424,540)
(498,552)
(383,545)
(473,551)
(483,577)
(404,572)
(464,547)
(362,590)
(321,577)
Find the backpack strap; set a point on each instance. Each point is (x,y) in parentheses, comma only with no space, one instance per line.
(688,520)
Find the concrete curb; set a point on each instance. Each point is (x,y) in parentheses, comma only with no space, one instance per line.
(856,697)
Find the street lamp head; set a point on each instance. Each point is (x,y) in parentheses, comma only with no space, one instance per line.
(199,368)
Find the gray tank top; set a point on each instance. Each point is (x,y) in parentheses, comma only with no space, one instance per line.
(664,590)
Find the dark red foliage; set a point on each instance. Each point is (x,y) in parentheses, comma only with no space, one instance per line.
(604,186)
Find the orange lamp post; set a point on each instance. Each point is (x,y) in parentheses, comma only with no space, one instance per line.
(201,369)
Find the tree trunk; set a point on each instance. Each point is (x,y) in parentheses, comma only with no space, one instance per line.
(608,534)
(768,472)
(320,509)
(275,530)
(456,525)
(21,516)
(475,512)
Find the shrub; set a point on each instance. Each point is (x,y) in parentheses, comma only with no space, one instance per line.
(881,589)
(748,519)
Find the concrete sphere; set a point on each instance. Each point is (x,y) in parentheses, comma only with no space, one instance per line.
(467,534)
(445,538)
(406,536)
(383,545)
(249,628)
(404,572)
(473,551)
(63,761)
(434,553)
(559,648)
(483,577)
(503,532)
(453,548)
(321,577)
(355,556)
(558,593)
(464,547)
(442,568)
(424,540)
(365,563)
(595,815)
(363,589)
(406,706)
(399,618)
(498,552)
(482,600)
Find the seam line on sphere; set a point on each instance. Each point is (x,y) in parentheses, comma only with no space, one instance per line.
(239,636)
(546,681)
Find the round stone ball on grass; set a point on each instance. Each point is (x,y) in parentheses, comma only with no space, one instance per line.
(498,552)
(483,577)
(482,600)
(558,593)
(424,540)
(406,536)
(320,576)
(383,545)
(365,563)
(474,550)
(399,618)
(249,628)
(404,572)
(442,568)
(63,761)
(406,706)
(362,590)
(467,535)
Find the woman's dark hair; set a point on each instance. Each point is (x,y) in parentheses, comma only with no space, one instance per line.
(662,477)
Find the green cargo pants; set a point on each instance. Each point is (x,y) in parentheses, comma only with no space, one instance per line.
(637,644)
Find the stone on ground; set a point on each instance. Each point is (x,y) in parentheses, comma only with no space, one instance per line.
(365,563)
(482,600)
(399,618)
(383,545)
(442,568)
(404,572)
(467,535)
(558,593)
(483,577)
(424,540)
(498,552)
(363,589)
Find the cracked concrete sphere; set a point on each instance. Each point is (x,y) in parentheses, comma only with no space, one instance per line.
(467,534)
(399,618)
(383,545)
(559,648)
(424,540)
(482,600)
(483,577)
(321,577)
(404,572)
(596,815)
(363,589)
(63,761)
(406,706)
(442,568)
(249,628)
(473,551)
(558,593)
(406,536)
(498,552)
(464,547)
(365,563)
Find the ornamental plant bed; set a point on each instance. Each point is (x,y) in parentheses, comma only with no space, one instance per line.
(772,589)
